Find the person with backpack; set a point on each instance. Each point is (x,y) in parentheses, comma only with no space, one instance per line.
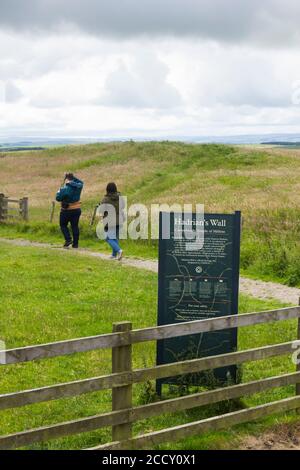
(111,209)
(69,197)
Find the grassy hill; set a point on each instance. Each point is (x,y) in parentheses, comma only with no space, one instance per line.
(75,298)
(261,182)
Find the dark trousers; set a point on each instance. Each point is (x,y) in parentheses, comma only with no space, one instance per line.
(71,216)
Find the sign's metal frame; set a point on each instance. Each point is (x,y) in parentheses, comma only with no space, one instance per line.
(162,320)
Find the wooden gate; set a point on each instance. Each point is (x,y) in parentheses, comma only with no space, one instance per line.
(13,208)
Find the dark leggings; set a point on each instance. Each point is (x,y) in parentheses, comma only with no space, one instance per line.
(71,216)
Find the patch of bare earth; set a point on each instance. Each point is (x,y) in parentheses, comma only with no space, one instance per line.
(283,437)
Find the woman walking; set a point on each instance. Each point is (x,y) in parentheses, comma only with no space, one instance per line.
(69,197)
(111,208)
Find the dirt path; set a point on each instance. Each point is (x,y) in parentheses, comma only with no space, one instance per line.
(259,289)
(283,437)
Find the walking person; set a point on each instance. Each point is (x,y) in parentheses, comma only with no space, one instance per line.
(69,196)
(111,209)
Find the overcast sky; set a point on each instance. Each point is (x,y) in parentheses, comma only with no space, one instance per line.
(111,68)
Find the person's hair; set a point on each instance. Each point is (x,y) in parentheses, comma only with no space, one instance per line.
(69,176)
(111,188)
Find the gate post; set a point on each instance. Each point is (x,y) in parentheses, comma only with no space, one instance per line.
(122,396)
(24,208)
(3,207)
(52,211)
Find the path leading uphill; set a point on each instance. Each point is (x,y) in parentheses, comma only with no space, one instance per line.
(259,289)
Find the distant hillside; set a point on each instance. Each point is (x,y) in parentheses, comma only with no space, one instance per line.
(242,139)
(283,144)
(19,149)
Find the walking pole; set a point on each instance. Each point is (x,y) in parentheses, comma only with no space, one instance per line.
(53,203)
(93,216)
(52,211)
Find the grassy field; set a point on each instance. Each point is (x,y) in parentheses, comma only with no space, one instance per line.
(261,182)
(48,296)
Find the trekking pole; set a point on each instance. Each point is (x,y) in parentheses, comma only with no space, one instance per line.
(93,216)
(53,202)
(52,211)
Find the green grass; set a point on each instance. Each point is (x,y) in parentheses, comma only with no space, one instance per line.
(50,233)
(48,296)
(262,183)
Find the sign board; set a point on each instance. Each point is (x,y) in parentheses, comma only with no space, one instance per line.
(195,285)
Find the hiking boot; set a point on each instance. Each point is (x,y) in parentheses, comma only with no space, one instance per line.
(67,244)
(75,246)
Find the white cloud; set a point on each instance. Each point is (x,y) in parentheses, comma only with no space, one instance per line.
(202,78)
(12,93)
(142,84)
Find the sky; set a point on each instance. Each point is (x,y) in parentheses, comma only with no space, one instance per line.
(149,68)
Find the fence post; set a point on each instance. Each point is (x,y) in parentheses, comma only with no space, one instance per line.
(122,396)
(24,208)
(3,207)
(52,211)
(298,365)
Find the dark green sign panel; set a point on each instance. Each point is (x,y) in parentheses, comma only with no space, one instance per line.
(198,284)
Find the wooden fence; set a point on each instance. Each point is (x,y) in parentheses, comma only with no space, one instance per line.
(123,412)
(13,208)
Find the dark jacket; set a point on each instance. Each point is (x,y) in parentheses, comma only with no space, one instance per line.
(115,200)
(70,192)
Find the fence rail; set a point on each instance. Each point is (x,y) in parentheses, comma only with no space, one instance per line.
(198,427)
(116,339)
(19,209)
(123,413)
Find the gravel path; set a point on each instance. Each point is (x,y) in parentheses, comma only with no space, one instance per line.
(259,289)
